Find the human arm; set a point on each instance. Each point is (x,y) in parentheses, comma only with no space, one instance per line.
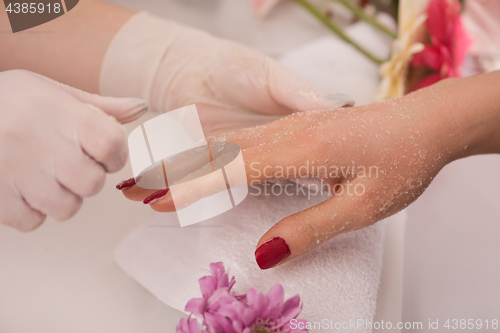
(407,141)
(69,49)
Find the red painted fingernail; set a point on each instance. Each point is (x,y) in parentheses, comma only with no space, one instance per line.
(272,253)
(126,184)
(155,196)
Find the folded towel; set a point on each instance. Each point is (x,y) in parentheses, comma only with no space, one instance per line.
(337,281)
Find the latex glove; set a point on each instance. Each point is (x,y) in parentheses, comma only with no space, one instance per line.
(376,159)
(56,144)
(233,87)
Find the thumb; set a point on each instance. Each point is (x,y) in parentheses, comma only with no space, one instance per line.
(124,110)
(300,233)
(289,90)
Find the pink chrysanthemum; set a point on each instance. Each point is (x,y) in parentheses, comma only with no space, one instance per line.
(449,42)
(218,283)
(259,314)
(254,312)
(189,325)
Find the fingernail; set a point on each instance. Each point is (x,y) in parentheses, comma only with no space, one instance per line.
(140,107)
(272,253)
(339,100)
(155,196)
(137,109)
(126,184)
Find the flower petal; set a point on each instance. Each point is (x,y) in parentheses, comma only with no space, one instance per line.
(188,325)
(257,301)
(427,81)
(275,298)
(431,57)
(196,306)
(291,308)
(208,284)
(217,323)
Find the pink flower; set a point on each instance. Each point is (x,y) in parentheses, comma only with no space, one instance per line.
(449,42)
(212,288)
(263,7)
(188,326)
(254,312)
(260,313)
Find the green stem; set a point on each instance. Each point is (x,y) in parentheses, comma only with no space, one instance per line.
(367,18)
(337,29)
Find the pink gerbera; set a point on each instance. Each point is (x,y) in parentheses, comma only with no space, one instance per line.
(449,42)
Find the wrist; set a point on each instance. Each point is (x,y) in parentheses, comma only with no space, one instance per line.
(134,55)
(146,55)
(474,107)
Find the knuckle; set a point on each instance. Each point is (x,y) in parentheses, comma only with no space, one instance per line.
(25,225)
(115,139)
(114,149)
(69,209)
(93,183)
(30,226)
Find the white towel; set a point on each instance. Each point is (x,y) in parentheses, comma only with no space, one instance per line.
(337,281)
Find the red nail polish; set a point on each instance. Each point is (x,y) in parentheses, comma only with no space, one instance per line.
(272,253)
(126,184)
(155,196)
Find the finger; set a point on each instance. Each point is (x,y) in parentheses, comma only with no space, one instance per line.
(102,138)
(253,167)
(136,193)
(298,234)
(297,95)
(261,84)
(124,110)
(178,168)
(78,173)
(54,200)
(16,213)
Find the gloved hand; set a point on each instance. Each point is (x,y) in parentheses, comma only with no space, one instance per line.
(233,87)
(56,144)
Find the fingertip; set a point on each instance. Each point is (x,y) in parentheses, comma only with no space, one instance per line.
(338,100)
(132,109)
(271,253)
(126,184)
(164,204)
(136,193)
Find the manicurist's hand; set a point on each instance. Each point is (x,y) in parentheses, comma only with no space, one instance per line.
(232,86)
(389,153)
(56,145)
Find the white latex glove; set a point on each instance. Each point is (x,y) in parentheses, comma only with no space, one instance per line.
(56,144)
(233,87)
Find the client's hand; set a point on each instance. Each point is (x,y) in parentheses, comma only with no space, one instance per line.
(375,159)
(56,145)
